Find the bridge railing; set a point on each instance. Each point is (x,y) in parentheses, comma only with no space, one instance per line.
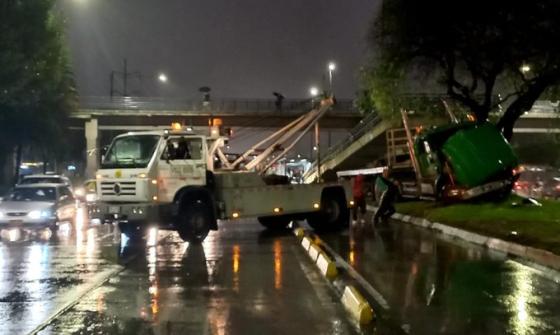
(366,124)
(221,106)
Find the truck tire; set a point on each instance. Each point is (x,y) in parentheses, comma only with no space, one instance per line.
(334,213)
(195,219)
(274,222)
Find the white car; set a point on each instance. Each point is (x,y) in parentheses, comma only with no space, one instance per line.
(37,206)
(45,179)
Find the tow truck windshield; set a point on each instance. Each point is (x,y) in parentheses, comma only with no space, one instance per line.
(134,151)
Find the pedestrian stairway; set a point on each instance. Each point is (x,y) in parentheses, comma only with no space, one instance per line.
(365,144)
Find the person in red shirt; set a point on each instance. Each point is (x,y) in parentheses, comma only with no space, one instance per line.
(359,198)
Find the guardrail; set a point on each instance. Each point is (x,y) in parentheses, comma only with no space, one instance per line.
(221,106)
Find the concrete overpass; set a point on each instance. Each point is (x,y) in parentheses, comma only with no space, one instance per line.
(117,114)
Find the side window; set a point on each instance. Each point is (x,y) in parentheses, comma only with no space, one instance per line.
(181,148)
(66,194)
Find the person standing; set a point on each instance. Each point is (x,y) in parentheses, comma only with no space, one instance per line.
(359,198)
(385,193)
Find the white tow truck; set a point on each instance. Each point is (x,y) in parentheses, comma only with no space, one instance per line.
(169,179)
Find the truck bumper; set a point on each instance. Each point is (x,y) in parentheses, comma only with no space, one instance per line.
(139,213)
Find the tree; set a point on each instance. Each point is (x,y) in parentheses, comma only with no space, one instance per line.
(36,86)
(475,49)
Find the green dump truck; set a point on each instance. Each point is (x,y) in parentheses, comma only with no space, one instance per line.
(457,161)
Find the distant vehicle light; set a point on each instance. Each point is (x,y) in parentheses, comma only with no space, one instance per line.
(277,210)
(316,206)
(235,215)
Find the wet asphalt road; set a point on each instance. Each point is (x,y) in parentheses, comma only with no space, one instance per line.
(435,285)
(241,280)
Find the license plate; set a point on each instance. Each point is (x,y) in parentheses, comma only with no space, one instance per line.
(16,221)
(114,209)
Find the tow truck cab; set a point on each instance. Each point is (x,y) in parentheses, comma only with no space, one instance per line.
(142,173)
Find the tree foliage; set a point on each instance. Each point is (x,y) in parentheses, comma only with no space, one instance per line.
(36,86)
(475,49)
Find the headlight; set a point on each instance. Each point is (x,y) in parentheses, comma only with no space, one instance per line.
(39,214)
(91,197)
(34,214)
(1,215)
(80,192)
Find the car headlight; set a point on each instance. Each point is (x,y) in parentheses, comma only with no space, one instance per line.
(39,214)
(34,214)
(1,215)
(80,192)
(91,197)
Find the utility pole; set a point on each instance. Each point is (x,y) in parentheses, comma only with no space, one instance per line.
(125,75)
(318,147)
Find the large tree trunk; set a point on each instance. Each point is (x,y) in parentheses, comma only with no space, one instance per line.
(523,103)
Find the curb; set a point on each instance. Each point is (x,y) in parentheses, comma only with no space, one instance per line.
(539,256)
(357,306)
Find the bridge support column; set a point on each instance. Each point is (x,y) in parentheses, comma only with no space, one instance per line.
(92,147)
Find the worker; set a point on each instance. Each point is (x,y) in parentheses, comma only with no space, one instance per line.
(182,151)
(385,193)
(359,199)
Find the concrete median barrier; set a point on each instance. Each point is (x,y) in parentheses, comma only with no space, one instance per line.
(299,233)
(326,266)
(314,252)
(306,243)
(357,305)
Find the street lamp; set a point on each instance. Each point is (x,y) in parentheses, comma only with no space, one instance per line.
(314,91)
(331,67)
(162,77)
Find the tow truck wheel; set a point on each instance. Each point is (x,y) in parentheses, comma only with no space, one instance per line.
(334,213)
(274,222)
(194,221)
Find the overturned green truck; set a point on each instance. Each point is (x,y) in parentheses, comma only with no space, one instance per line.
(458,161)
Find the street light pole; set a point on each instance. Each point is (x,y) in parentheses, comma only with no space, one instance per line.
(314,91)
(331,67)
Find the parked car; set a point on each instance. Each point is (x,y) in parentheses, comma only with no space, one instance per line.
(37,206)
(45,178)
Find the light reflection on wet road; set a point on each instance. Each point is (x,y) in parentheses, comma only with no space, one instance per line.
(41,270)
(438,286)
(241,280)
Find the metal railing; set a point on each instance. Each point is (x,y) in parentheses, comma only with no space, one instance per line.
(365,125)
(217,106)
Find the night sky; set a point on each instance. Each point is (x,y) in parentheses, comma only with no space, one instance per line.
(241,49)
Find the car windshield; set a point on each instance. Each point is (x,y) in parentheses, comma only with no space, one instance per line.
(42,180)
(33,194)
(130,152)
